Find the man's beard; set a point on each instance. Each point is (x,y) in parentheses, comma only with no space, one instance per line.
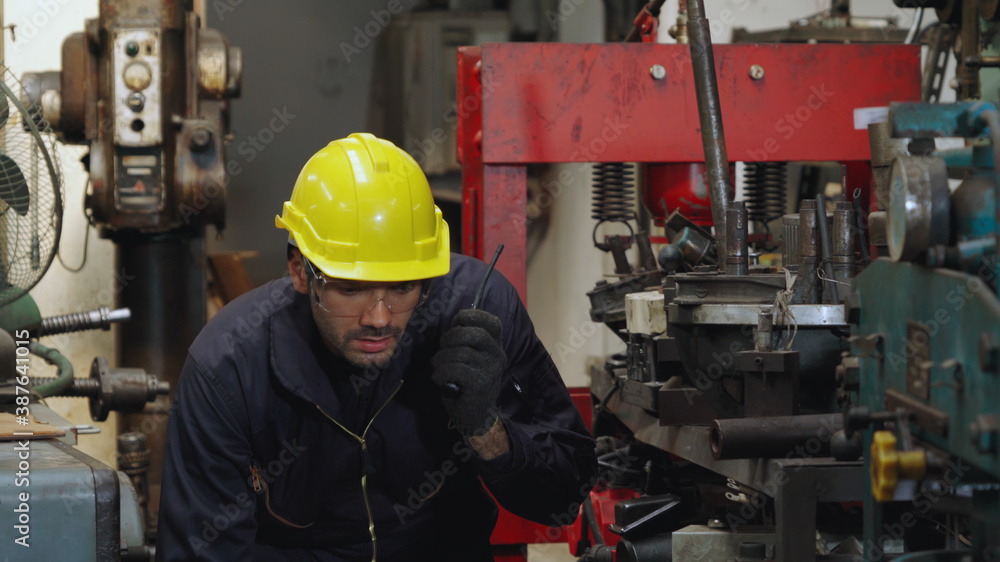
(340,343)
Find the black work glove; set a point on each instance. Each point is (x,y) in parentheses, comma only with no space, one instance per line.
(471,358)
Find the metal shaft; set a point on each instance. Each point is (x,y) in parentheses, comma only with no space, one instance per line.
(774,437)
(825,244)
(968,75)
(80,388)
(843,242)
(737,240)
(713,136)
(808,291)
(80,321)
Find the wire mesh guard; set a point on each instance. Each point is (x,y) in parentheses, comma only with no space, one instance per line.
(31,201)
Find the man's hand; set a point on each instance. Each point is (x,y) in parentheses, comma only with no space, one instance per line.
(471,358)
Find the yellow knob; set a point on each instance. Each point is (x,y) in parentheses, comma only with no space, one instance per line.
(889,466)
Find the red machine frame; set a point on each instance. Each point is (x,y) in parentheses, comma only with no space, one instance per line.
(523,103)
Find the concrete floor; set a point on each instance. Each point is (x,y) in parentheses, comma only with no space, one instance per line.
(556,552)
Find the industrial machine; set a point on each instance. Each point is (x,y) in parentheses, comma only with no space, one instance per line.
(147,89)
(833,404)
(63,504)
(925,323)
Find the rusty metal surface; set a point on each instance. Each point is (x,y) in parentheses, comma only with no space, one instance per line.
(808,286)
(505,195)
(581,102)
(716,288)
(200,175)
(212,63)
(469,146)
(76,82)
(844,247)
(919,206)
(168,14)
(737,240)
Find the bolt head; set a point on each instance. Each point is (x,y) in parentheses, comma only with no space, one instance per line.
(756,72)
(201,139)
(658,72)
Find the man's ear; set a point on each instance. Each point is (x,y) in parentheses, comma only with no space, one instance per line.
(297,270)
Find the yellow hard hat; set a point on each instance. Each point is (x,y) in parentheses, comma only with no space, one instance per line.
(361,209)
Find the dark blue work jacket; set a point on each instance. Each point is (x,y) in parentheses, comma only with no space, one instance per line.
(276,450)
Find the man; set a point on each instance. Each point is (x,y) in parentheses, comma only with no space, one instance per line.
(354,410)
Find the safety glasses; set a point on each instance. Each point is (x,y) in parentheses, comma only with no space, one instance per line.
(349,298)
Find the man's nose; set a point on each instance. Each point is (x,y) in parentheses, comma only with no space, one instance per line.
(378,316)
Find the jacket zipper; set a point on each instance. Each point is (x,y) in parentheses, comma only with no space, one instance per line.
(364,466)
(260,484)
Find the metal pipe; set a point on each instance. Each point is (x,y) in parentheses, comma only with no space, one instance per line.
(774,437)
(807,288)
(713,135)
(737,239)
(844,256)
(164,286)
(825,244)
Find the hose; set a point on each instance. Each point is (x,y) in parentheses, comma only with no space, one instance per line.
(591,517)
(64,369)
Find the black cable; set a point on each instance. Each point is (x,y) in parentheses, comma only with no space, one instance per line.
(591,517)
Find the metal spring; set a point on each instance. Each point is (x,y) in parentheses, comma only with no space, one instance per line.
(73,322)
(614,192)
(764,190)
